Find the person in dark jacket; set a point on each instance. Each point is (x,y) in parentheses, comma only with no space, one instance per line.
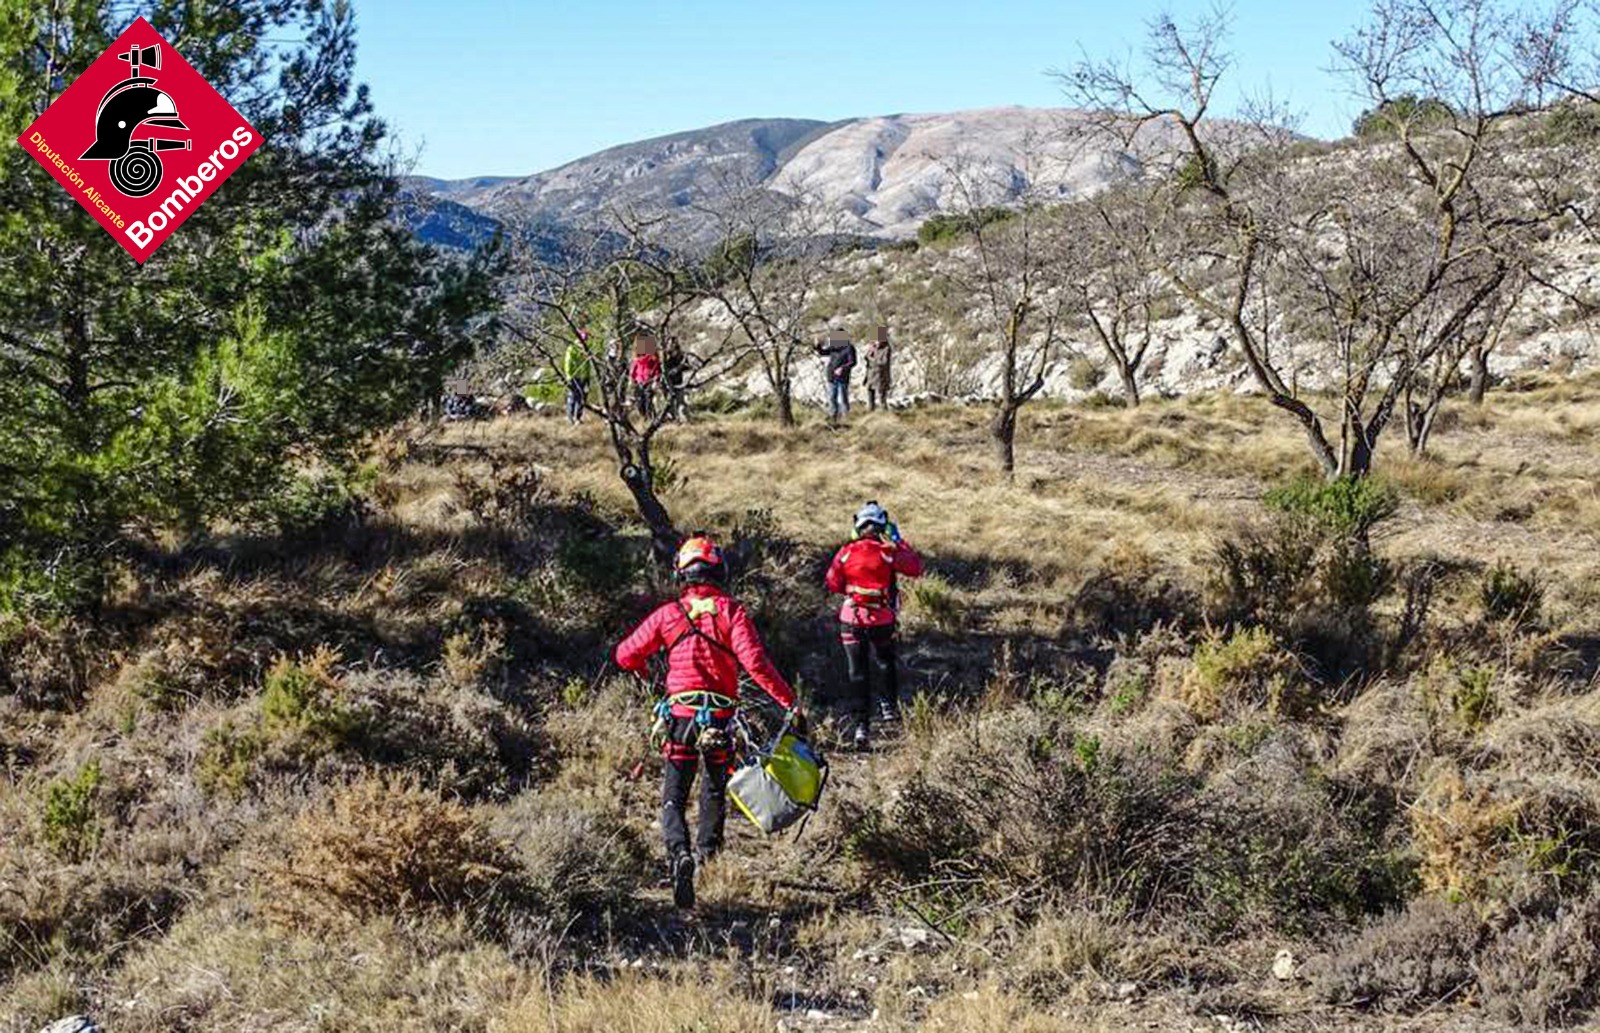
(841,356)
(707,637)
(674,377)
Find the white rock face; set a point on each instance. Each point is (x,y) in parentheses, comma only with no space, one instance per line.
(891,173)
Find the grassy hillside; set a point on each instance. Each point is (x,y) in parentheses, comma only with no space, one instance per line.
(1172,757)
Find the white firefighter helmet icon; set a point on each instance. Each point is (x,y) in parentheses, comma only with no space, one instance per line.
(135,102)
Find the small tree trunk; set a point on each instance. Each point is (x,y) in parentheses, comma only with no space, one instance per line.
(783,394)
(1004,432)
(1130,385)
(663,535)
(1480,376)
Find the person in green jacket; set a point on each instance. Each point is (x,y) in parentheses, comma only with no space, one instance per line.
(576,368)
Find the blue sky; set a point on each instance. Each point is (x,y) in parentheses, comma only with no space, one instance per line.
(475,87)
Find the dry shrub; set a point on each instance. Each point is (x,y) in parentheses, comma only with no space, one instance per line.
(45,664)
(990,1009)
(1076,819)
(55,912)
(472,658)
(1132,594)
(578,855)
(1292,848)
(1527,840)
(1414,959)
(170,676)
(1248,668)
(1270,842)
(1545,968)
(458,739)
(1562,735)
(384,846)
(1386,737)
(222,968)
(706,1002)
(603,738)
(1457,828)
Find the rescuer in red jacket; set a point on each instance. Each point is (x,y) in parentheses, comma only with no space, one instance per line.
(707,636)
(865,572)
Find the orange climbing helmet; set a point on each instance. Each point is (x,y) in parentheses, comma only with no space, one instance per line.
(700,561)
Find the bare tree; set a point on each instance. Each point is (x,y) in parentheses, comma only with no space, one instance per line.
(1213,192)
(1378,268)
(624,281)
(1013,277)
(773,257)
(1465,330)
(1115,286)
(1558,50)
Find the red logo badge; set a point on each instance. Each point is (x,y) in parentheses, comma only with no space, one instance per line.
(140,139)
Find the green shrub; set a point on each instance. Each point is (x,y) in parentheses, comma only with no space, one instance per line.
(1196,172)
(71,825)
(1569,124)
(305,506)
(937,602)
(228,755)
(1408,111)
(1349,507)
(1248,666)
(945,228)
(547,392)
(1473,700)
(1507,594)
(303,700)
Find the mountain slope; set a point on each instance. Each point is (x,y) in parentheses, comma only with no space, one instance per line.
(886,174)
(666,172)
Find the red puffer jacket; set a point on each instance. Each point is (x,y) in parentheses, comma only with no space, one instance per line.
(710,660)
(646,368)
(864,573)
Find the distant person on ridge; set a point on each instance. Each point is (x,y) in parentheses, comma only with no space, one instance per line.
(577,366)
(707,637)
(841,356)
(866,572)
(879,356)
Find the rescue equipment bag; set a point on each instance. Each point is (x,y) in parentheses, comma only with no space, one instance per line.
(777,788)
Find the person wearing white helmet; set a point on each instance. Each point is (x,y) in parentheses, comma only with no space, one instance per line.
(866,571)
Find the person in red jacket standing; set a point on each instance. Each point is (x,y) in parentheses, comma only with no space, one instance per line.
(865,572)
(707,636)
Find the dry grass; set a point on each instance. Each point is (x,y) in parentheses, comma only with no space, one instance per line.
(472,845)
(715,1000)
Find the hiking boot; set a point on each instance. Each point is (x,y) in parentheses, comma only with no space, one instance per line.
(683,880)
(863,738)
(888,711)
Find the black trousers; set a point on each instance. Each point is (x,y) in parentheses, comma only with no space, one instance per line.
(865,650)
(677,780)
